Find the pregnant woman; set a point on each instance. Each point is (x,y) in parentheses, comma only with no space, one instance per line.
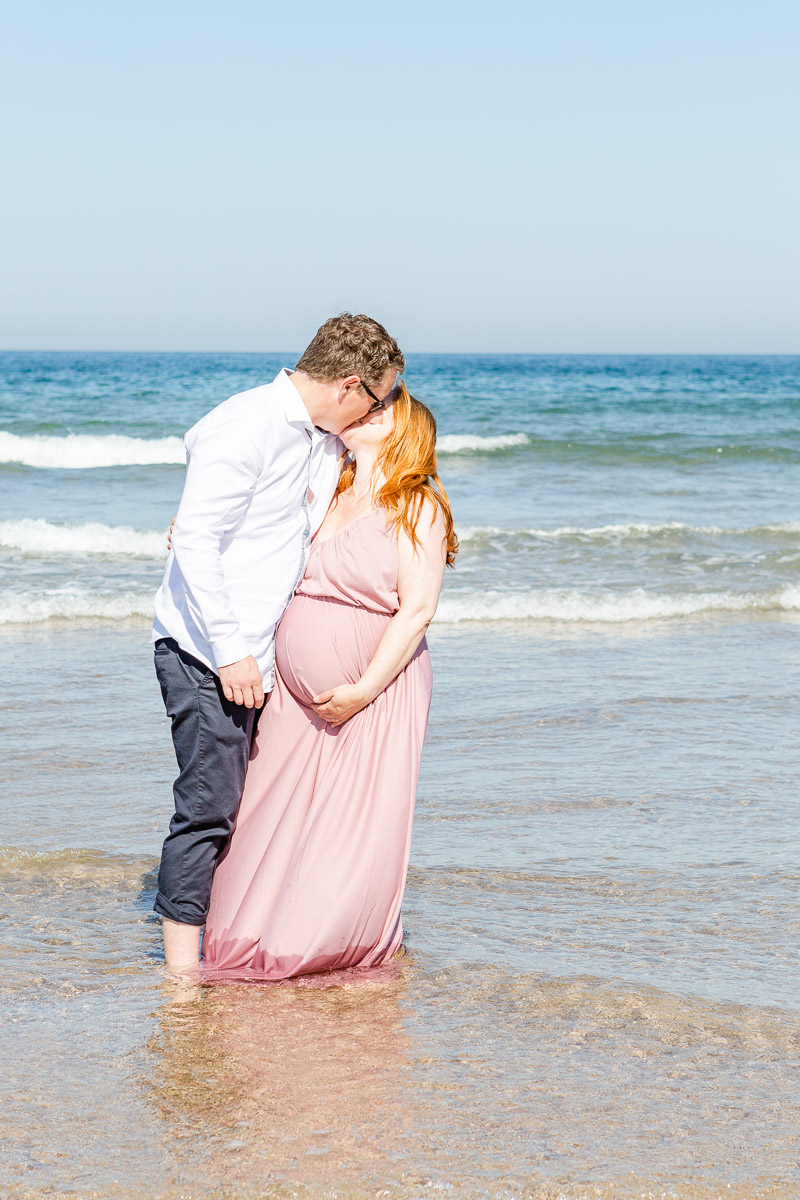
(314,874)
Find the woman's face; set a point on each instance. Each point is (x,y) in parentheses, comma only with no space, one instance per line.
(371,429)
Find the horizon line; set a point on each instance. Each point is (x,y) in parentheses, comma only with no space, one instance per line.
(435,353)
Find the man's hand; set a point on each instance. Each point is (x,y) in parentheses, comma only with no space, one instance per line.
(241,683)
(339,704)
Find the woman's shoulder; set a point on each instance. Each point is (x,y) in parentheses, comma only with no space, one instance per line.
(429,515)
(425,525)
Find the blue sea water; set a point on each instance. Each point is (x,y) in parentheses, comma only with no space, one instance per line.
(602,916)
(585,488)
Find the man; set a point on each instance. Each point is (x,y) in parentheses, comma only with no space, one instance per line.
(261,470)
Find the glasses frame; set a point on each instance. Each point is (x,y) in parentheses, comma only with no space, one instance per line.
(377,403)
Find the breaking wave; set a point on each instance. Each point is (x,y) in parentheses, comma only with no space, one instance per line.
(457,443)
(622,531)
(637,604)
(45,537)
(38,536)
(34,608)
(82,451)
(607,607)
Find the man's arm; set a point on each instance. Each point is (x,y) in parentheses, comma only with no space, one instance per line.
(224,461)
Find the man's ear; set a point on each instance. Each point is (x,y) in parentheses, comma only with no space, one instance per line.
(347,384)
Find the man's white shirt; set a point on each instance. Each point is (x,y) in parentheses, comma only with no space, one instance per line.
(259,481)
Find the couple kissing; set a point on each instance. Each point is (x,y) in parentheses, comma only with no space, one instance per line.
(307,558)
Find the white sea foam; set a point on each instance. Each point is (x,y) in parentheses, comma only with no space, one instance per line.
(456,443)
(44,537)
(80,451)
(72,603)
(83,451)
(607,607)
(626,530)
(33,608)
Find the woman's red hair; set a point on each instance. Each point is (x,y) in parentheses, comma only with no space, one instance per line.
(407,460)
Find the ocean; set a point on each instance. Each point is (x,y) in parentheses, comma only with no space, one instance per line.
(599,997)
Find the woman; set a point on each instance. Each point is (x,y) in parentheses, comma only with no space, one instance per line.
(314,874)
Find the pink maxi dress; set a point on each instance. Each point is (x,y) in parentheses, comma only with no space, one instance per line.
(313,877)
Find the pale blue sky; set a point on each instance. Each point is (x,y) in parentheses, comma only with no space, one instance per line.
(499,176)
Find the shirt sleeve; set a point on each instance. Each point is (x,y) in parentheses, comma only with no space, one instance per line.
(223,463)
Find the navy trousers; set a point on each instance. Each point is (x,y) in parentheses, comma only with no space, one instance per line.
(212,739)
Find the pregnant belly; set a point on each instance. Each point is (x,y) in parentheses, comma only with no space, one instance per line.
(322,643)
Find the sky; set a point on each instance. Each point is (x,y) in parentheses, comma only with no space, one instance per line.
(532,177)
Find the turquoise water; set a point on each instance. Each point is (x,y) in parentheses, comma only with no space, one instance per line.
(600,993)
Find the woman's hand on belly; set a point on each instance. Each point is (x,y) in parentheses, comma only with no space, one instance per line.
(339,704)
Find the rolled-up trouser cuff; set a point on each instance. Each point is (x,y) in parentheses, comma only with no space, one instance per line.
(164,908)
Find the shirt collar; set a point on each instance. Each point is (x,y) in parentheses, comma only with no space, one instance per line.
(293,406)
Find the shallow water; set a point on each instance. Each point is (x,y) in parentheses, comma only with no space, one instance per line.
(599,996)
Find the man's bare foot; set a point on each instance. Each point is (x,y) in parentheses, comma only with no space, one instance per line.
(181,989)
(181,947)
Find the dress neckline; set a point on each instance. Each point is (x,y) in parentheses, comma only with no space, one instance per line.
(318,541)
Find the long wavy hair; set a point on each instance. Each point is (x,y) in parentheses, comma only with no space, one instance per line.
(407,459)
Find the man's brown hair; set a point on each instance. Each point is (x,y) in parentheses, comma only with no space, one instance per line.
(351,344)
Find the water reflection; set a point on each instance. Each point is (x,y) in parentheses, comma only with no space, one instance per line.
(292,1081)
(473,1080)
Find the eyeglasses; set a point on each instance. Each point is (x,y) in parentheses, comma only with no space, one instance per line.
(377,403)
